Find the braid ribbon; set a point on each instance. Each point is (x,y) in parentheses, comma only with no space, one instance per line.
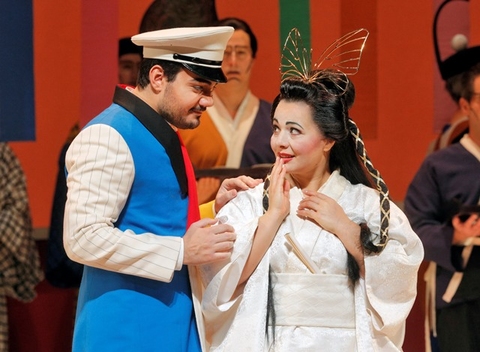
(265,200)
(380,184)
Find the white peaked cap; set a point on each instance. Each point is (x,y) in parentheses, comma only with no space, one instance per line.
(198,49)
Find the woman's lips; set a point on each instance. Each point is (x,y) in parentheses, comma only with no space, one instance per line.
(285,157)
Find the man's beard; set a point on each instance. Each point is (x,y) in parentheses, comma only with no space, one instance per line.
(180,121)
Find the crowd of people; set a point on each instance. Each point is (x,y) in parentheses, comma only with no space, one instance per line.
(132,218)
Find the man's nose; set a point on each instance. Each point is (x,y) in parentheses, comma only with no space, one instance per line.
(206,101)
(233,58)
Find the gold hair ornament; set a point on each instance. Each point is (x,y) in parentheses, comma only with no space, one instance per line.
(340,59)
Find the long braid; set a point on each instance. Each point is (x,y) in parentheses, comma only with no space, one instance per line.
(384,195)
(270,300)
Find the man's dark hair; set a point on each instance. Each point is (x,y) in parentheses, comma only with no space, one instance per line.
(461,85)
(239,24)
(126,46)
(170,68)
(453,85)
(467,82)
(163,14)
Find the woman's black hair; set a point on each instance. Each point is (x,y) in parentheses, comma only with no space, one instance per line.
(330,99)
(330,96)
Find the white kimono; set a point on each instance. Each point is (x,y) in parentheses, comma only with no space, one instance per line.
(313,311)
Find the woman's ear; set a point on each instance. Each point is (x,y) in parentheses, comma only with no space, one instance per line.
(328,145)
(157,78)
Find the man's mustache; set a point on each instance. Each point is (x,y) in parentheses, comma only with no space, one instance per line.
(198,109)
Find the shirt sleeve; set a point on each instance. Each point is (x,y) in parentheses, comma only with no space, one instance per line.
(423,206)
(100,175)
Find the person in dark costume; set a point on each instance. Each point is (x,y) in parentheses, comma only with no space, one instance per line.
(442,206)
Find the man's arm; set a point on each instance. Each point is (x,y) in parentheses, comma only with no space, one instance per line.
(424,208)
(100,175)
(227,191)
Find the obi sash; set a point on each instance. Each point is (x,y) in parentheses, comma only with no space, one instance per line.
(304,299)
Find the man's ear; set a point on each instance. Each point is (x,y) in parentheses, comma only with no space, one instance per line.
(249,68)
(464,106)
(157,78)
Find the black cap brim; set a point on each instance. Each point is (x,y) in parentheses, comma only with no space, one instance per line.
(210,73)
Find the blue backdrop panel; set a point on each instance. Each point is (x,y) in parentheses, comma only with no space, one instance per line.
(17,106)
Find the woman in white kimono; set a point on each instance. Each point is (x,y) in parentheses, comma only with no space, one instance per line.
(319,263)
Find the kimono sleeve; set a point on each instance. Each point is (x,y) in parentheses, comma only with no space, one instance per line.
(221,296)
(391,276)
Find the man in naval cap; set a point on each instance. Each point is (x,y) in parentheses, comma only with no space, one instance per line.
(131,215)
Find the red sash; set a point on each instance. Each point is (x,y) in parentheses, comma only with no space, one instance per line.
(193,211)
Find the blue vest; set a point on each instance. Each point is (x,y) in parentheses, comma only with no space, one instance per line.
(118,312)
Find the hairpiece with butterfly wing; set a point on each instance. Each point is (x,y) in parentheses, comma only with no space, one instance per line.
(339,60)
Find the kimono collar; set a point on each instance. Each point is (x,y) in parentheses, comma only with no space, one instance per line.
(334,186)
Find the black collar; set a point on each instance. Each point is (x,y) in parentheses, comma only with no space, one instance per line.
(159,128)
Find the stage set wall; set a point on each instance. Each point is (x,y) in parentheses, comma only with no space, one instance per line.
(75,53)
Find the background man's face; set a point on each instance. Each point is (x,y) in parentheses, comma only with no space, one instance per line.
(128,67)
(237,59)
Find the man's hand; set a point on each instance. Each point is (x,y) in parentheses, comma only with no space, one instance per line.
(229,188)
(464,230)
(204,243)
